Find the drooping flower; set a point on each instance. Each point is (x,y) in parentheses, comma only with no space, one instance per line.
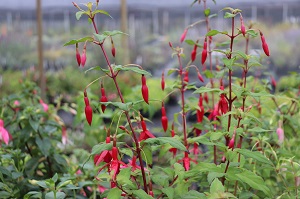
(4,134)
(44,105)
(280,134)
(64,136)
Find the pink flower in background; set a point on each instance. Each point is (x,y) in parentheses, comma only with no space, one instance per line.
(16,105)
(45,106)
(280,134)
(64,136)
(4,135)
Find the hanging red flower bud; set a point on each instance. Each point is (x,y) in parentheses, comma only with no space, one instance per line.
(78,55)
(170,44)
(243,29)
(200,77)
(231,143)
(264,44)
(173,150)
(145,92)
(206,98)
(183,35)
(186,78)
(83,56)
(88,109)
(194,52)
(163,81)
(164,119)
(113,49)
(223,104)
(273,81)
(103,98)
(186,161)
(204,52)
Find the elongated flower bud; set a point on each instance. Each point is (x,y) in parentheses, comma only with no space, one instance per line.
(264,44)
(164,119)
(273,81)
(186,77)
(145,92)
(103,98)
(163,81)
(78,58)
(200,77)
(183,35)
(113,49)
(243,29)
(88,110)
(4,134)
(280,134)
(170,44)
(206,98)
(223,104)
(204,52)
(83,57)
(231,143)
(194,53)
(75,5)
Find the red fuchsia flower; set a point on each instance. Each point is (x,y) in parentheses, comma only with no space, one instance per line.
(187,161)
(215,113)
(173,150)
(231,143)
(200,114)
(183,35)
(83,56)
(164,119)
(194,53)
(195,150)
(200,77)
(4,134)
(186,77)
(280,134)
(145,134)
(273,81)
(44,105)
(16,105)
(103,98)
(88,109)
(64,136)
(163,81)
(133,164)
(104,156)
(170,44)
(204,52)
(223,104)
(243,29)
(145,92)
(78,58)
(113,49)
(206,98)
(101,189)
(264,44)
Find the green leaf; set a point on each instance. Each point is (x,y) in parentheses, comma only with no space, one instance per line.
(44,145)
(55,177)
(252,33)
(169,191)
(97,68)
(84,39)
(34,124)
(214,175)
(141,194)
(65,183)
(164,140)
(241,54)
(147,154)
(42,184)
(101,37)
(133,69)
(114,193)
(212,33)
(59,195)
(120,105)
(71,42)
(190,42)
(254,181)
(206,90)
(216,186)
(229,62)
(258,130)
(255,155)
(229,15)
(208,74)
(102,12)
(79,14)
(33,194)
(207,12)
(113,33)
(193,195)
(101,147)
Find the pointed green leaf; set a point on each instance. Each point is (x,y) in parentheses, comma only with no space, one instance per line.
(216,186)
(164,140)
(207,12)
(169,191)
(255,155)
(133,69)
(79,14)
(141,194)
(101,147)
(229,15)
(206,90)
(102,12)
(114,193)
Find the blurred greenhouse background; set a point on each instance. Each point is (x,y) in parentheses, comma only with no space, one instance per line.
(150,25)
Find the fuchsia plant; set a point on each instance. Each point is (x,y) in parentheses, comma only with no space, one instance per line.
(223,108)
